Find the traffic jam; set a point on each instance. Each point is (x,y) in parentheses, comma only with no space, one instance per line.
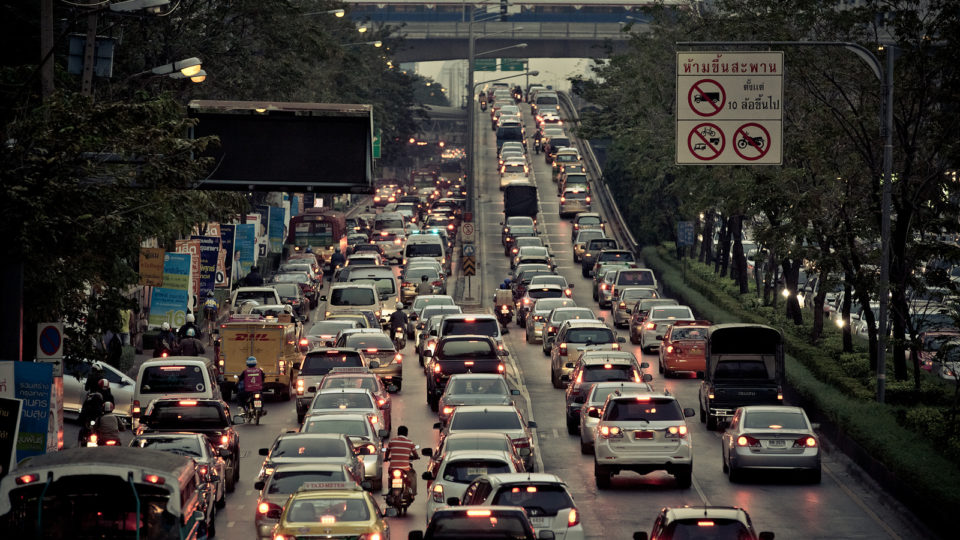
(563,403)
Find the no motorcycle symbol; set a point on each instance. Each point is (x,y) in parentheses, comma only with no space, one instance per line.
(706,142)
(752,141)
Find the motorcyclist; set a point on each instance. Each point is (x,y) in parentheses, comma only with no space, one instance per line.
(400,452)
(537,141)
(90,411)
(109,426)
(424,286)
(103,387)
(336,260)
(166,341)
(252,379)
(398,319)
(253,279)
(96,373)
(190,345)
(191,324)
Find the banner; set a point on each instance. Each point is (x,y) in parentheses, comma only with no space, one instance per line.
(225,262)
(9,422)
(176,271)
(193,248)
(168,306)
(276,229)
(245,247)
(32,384)
(209,254)
(151,267)
(294,205)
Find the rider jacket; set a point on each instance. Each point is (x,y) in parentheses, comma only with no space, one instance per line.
(398,319)
(109,427)
(253,379)
(400,451)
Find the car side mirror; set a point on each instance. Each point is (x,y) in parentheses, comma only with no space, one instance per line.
(531,424)
(453,501)
(437,425)
(515,392)
(427,475)
(646,377)
(621,339)
(312,389)
(224,452)
(640,535)
(689,412)
(264,451)
(766,535)
(579,399)
(601,319)
(427,452)
(258,485)
(428,353)
(323,298)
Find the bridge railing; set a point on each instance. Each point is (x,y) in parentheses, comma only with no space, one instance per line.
(507,30)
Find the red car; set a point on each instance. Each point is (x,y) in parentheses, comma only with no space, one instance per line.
(684,348)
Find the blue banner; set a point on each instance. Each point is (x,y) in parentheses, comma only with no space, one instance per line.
(245,246)
(168,306)
(276,228)
(33,384)
(176,271)
(294,205)
(226,244)
(209,250)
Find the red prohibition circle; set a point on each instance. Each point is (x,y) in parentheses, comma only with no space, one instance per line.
(703,137)
(742,141)
(699,95)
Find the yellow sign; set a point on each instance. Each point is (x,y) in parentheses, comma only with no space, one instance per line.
(151,267)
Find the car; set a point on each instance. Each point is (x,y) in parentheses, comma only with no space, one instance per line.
(460,354)
(475,521)
(353,400)
(545,497)
(525,241)
(592,250)
(458,469)
(556,317)
(515,221)
(533,254)
(360,377)
(301,266)
(474,389)
(210,462)
(351,297)
(641,309)
(572,336)
(309,449)
(411,278)
(292,295)
(580,240)
(570,180)
(931,343)
(622,305)
(573,201)
(770,438)
(657,322)
(536,316)
(344,512)
(502,418)
(286,480)
(428,327)
(315,365)
(323,333)
(473,440)
(375,345)
(684,348)
(367,441)
(603,285)
(75,377)
(715,522)
(585,221)
(420,303)
(517,231)
(599,366)
(592,405)
(531,295)
(608,256)
(643,432)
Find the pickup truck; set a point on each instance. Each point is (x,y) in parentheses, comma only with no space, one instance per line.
(744,366)
(208,417)
(461,354)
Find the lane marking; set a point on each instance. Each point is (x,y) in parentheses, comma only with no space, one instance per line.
(859,502)
(231,524)
(700,493)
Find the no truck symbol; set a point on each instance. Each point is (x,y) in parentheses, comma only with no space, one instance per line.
(706,142)
(706,97)
(751,141)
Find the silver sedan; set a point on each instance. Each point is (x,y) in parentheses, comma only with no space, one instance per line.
(772,438)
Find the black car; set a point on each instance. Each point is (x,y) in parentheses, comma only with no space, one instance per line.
(461,354)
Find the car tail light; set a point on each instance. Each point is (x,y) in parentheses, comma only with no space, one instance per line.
(27,479)
(622,305)
(563,199)
(650,325)
(153,479)
(576,226)
(746,440)
(563,349)
(406,284)
(164,354)
(526,300)
(501,368)
(521,442)
(805,442)
(93,439)
(203,470)
(448,410)
(436,368)
(111,443)
(676,432)
(135,410)
(573,518)
(515,251)
(611,432)
(398,358)
(300,387)
(588,198)
(604,286)
(779,394)
(370,536)
(437,492)
(551,329)
(224,440)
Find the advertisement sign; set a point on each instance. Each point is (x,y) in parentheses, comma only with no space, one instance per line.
(176,271)
(193,248)
(276,229)
(225,262)
(245,247)
(9,422)
(168,306)
(151,267)
(209,254)
(31,383)
(294,205)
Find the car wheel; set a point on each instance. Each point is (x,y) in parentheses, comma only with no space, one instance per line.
(573,426)
(526,337)
(231,482)
(595,295)
(433,402)
(585,448)
(602,476)
(814,475)
(633,338)
(546,352)
(725,467)
(684,476)
(222,502)
(703,415)
(554,379)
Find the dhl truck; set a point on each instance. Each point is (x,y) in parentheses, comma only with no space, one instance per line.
(275,342)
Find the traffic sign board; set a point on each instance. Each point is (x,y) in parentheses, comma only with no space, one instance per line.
(737,91)
(685,233)
(49,341)
(512,64)
(485,64)
(467,232)
(469,250)
(469,266)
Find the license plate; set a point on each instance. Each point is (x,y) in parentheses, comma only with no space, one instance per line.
(476,471)
(396,483)
(538,521)
(258,403)
(642,434)
(777,443)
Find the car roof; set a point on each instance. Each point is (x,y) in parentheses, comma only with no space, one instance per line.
(344,391)
(476,376)
(470,453)
(500,479)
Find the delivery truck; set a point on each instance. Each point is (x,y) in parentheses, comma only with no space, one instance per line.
(276,344)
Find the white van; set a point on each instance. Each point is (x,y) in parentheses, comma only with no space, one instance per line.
(353,297)
(426,245)
(178,376)
(383,278)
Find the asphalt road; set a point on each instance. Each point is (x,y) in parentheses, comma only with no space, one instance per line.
(843,506)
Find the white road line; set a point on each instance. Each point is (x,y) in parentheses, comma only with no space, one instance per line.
(703,496)
(863,506)
(231,524)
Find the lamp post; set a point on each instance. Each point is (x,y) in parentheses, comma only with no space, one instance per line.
(187,67)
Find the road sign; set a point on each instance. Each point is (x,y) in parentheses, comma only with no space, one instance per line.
(485,64)
(376,143)
(729,108)
(469,250)
(469,266)
(685,233)
(49,341)
(512,64)
(467,232)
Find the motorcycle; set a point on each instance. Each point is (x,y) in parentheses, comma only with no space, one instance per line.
(504,314)
(399,338)
(93,439)
(400,495)
(253,409)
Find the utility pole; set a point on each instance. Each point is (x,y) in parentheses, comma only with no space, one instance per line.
(46,48)
(470,112)
(89,54)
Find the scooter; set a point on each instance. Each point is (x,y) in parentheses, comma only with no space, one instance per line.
(93,439)
(483,105)
(400,496)
(504,314)
(399,339)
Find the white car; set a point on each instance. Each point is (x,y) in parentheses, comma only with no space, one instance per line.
(75,377)
(658,320)
(459,469)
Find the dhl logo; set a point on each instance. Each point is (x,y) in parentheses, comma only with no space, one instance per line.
(251,337)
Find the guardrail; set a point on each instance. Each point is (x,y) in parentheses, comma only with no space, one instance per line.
(615,218)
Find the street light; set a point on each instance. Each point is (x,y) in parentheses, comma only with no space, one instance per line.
(197,77)
(517,46)
(376,44)
(338,13)
(187,67)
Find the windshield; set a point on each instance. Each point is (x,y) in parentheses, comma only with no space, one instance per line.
(464,471)
(636,410)
(336,426)
(342,400)
(591,335)
(774,420)
(635,277)
(499,420)
(260,297)
(321,363)
(480,327)
(172,380)
(309,447)
(352,296)
(386,286)
(286,482)
(465,348)
(538,500)
(424,249)
(185,446)
(477,386)
(173,415)
(329,328)
(368,341)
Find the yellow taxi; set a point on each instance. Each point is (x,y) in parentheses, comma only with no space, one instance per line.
(333,511)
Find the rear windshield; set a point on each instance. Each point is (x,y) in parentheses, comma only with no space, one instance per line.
(370,340)
(719,529)
(336,426)
(477,386)
(583,313)
(589,220)
(329,328)
(424,249)
(600,373)
(577,179)
(172,380)
(285,482)
(309,447)
(636,277)
(321,363)
(287,289)
(499,420)
(422,302)
(414,274)
(317,512)
(741,369)
(465,348)
(594,335)
(184,446)
(430,311)
(186,417)
(342,400)
(513,133)
(386,286)
(388,223)
(547,100)
(518,168)
(557,142)
(538,500)
(545,293)
(367,383)
(638,294)
(551,280)
(460,526)
(669,313)
(464,471)
(518,230)
(603,243)
(651,410)
(260,297)
(576,195)
(480,327)
(591,234)
(688,333)
(615,256)
(477,443)
(352,296)
(774,420)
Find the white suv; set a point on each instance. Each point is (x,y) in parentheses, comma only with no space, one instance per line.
(642,432)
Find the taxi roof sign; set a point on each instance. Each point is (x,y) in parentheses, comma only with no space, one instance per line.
(317,486)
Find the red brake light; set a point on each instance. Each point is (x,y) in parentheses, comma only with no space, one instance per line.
(153,479)
(27,479)
(501,368)
(808,442)
(704,524)
(436,368)
(304,341)
(746,440)
(448,410)
(478,513)
(224,440)
(188,402)
(573,518)
(371,350)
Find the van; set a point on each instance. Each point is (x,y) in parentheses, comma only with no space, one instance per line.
(472,324)
(347,297)
(177,376)
(385,281)
(545,97)
(632,277)
(260,295)
(426,245)
(388,220)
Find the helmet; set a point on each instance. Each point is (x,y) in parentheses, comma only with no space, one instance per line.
(191,318)
(103,384)
(108,407)
(209,294)
(165,326)
(191,332)
(251,361)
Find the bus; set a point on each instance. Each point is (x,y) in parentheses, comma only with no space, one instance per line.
(115,493)
(320,230)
